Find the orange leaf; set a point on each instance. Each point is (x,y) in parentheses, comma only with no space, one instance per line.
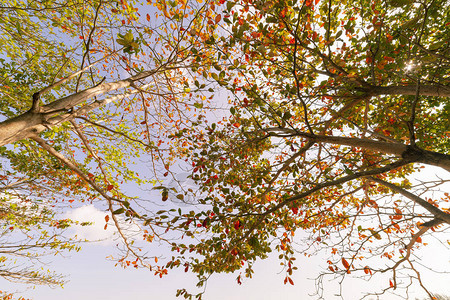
(345,263)
(148,17)
(218,18)
(290,281)
(106,218)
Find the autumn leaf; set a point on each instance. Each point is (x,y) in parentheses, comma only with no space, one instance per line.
(345,264)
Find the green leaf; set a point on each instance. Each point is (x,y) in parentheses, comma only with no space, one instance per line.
(128,37)
(118,211)
(230,5)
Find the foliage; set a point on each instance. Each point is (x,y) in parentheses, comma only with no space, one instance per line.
(332,106)
(87,89)
(26,229)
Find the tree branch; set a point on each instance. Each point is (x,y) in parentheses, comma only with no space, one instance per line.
(411,153)
(436,90)
(439,214)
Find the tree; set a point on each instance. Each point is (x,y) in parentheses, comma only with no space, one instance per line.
(334,104)
(87,88)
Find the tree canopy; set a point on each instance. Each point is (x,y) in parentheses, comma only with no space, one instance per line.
(332,106)
(89,88)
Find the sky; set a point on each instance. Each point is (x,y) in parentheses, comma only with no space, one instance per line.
(92,276)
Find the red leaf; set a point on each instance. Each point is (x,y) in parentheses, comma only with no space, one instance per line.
(290,281)
(237,225)
(110,187)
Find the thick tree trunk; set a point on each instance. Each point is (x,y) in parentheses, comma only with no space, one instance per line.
(414,154)
(31,123)
(21,127)
(424,90)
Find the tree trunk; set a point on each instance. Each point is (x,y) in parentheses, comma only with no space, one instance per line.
(424,90)
(36,120)
(413,154)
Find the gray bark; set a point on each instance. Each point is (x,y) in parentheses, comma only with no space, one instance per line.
(36,120)
(412,154)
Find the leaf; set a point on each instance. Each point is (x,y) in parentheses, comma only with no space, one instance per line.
(128,38)
(214,76)
(400,3)
(119,211)
(165,194)
(436,45)
(290,281)
(218,18)
(375,234)
(345,264)
(230,5)
(216,210)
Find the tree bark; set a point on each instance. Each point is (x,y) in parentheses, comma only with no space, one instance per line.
(34,121)
(413,154)
(424,90)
